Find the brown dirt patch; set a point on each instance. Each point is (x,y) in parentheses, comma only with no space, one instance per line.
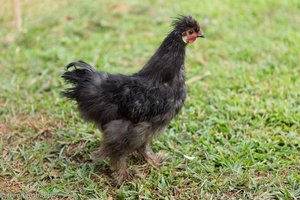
(4,128)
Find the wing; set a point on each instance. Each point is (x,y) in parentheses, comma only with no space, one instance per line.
(138,99)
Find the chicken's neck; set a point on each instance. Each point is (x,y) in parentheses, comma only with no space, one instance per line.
(167,64)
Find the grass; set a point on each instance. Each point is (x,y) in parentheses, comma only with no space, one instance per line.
(236,138)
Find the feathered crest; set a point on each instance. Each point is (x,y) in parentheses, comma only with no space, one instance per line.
(182,23)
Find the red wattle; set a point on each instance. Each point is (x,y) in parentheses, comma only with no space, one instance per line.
(192,40)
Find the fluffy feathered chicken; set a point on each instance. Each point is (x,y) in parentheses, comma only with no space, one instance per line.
(131,110)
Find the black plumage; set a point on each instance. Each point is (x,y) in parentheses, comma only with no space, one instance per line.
(130,110)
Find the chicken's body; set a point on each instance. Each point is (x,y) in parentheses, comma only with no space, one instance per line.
(130,110)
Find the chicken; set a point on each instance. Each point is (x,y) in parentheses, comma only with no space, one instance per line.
(131,110)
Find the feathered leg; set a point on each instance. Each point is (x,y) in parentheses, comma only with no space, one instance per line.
(119,168)
(154,159)
(120,139)
(118,163)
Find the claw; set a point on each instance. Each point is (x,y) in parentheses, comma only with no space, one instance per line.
(120,176)
(154,159)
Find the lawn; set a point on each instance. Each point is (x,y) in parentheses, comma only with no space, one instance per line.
(238,136)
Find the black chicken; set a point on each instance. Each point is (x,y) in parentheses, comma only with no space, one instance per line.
(131,110)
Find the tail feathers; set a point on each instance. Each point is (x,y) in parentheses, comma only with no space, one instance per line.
(74,76)
(69,93)
(84,79)
(81,64)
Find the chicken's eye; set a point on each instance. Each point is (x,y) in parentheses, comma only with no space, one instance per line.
(191,32)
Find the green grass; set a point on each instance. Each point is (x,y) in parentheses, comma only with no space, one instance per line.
(238,136)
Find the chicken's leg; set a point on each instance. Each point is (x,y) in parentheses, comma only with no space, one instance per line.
(154,159)
(118,166)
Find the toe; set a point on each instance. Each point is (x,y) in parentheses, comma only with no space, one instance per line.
(120,177)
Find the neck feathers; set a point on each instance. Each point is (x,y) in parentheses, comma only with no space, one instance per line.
(165,65)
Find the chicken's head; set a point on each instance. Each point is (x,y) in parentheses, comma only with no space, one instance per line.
(188,28)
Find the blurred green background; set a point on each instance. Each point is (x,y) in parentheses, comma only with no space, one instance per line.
(236,138)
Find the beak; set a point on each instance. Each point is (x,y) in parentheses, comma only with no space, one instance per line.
(201,35)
